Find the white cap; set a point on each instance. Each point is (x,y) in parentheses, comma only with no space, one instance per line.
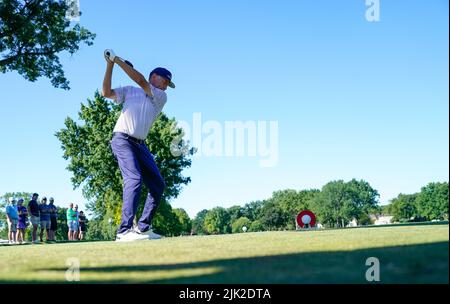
(11,200)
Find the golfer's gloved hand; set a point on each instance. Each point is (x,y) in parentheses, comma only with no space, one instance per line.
(110,55)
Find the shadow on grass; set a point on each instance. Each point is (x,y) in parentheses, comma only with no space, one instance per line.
(423,263)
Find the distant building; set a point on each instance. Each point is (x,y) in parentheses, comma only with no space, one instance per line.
(353,223)
(381,219)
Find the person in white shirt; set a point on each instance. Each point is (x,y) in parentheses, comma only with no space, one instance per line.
(141,106)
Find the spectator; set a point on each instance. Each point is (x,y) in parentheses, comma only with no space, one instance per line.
(82,222)
(33,211)
(12,217)
(71,222)
(53,219)
(23,221)
(77,214)
(44,211)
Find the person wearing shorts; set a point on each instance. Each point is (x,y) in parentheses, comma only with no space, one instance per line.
(12,217)
(82,225)
(33,211)
(23,221)
(44,212)
(72,223)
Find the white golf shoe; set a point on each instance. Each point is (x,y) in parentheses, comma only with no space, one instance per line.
(149,233)
(130,236)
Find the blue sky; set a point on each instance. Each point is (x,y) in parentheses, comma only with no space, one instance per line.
(353,99)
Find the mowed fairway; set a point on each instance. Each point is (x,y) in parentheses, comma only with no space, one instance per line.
(407,254)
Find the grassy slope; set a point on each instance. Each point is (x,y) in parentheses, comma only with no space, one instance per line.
(411,254)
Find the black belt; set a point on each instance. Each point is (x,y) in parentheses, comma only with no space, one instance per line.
(133,139)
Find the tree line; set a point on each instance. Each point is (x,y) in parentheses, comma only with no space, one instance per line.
(431,203)
(335,205)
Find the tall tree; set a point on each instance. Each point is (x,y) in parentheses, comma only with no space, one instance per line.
(432,202)
(272,216)
(184,220)
(364,199)
(235,212)
(403,207)
(339,202)
(32,33)
(94,168)
(332,205)
(166,221)
(217,221)
(198,224)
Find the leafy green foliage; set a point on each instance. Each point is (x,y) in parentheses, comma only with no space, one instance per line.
(184,220)
(32,33)
(166,222)
(432,202)
(403,207)
(101,228)
(198,224)
(256,226)
(252,210)
(237,225)
(339,202)
(235,212)
(217,221)
(62,228)
(272,216)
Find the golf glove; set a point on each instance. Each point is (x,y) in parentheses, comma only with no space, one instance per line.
(110,55)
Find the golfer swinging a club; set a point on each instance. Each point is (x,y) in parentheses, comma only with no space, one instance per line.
(141,106)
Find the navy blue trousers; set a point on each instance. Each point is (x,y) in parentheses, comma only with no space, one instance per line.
(137,165)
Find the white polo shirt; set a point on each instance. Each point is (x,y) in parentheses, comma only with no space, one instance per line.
(139,110)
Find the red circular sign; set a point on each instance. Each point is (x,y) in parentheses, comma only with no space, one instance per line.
(311,215)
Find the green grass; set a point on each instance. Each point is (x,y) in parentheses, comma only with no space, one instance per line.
(407,254)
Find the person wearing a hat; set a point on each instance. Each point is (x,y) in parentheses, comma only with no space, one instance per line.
(141,106)
(23,221)
(12,217)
